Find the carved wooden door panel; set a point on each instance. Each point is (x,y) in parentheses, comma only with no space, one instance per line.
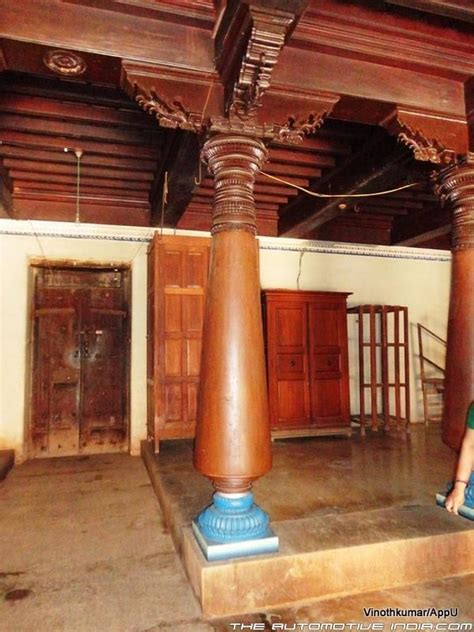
(104,339)
(328,362)
(80,394)
(56,380)
(288,375)
(176,315)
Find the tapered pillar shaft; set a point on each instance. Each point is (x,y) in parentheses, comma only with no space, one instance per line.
(232,445)
(457,190)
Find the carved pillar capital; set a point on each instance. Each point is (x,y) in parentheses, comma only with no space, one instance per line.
(234,161)
(456,188)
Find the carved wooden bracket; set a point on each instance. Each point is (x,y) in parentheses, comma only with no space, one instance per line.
(170,115)
(246,69)
(194,101)
(178,98)
(265,43)
(431,136)
(295,131)
(423,148)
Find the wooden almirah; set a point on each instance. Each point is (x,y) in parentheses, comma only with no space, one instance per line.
(177,278)
(307,359)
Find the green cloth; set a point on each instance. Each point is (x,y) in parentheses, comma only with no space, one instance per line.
(470,416)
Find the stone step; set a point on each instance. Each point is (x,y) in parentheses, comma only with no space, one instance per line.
(320,557)
(335,556)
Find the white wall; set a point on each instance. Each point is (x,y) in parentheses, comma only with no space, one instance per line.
(373,274)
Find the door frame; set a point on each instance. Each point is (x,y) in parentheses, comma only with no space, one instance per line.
(35,264)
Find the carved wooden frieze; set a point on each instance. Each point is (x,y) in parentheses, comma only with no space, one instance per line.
(431,136)
(171,114)
(176,97)
(423,148)
(295,131)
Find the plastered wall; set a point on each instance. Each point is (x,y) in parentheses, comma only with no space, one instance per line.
(371,275)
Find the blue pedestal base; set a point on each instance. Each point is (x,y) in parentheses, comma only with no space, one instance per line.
(467,509)
(214,551)
(234,526)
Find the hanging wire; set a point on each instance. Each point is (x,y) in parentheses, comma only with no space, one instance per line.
(78,153)
(164,201)
(198,181)
(339,195)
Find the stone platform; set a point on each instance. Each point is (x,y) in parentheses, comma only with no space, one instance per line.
(352,516)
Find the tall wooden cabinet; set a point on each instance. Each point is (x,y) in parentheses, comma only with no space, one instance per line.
(307,360)
(177,279)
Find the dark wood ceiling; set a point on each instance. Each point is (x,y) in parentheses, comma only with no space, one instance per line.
(126,156)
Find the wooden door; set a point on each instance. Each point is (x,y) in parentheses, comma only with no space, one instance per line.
(288,364)
(178,269)
(80,364)
(328,361)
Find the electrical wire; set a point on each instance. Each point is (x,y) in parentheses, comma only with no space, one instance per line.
(78,153)
(339,195)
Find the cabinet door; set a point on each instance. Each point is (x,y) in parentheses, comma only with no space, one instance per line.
(288,365)
(328,361)
(180,279)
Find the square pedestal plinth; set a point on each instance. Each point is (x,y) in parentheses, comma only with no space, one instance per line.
(214,551)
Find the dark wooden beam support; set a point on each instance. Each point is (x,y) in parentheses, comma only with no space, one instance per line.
(415,228)
(378,165)
(6,205)
(429,236)
(182,166)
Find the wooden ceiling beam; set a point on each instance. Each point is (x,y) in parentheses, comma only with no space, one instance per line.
(19,165)
(43,141)
(286,171)
(411,230)
(422,238)
(293,157)
(363,207)
(107,32)
(323,143)
(63,209)
(78,131)
(456,9)
(35,176)
(376,166)
(85,189)
(31,105)
(88,159)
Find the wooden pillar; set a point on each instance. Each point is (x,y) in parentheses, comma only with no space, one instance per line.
(457,190)
(232,444)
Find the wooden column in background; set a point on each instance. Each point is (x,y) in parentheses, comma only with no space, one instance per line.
(457,190)
(232,445)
